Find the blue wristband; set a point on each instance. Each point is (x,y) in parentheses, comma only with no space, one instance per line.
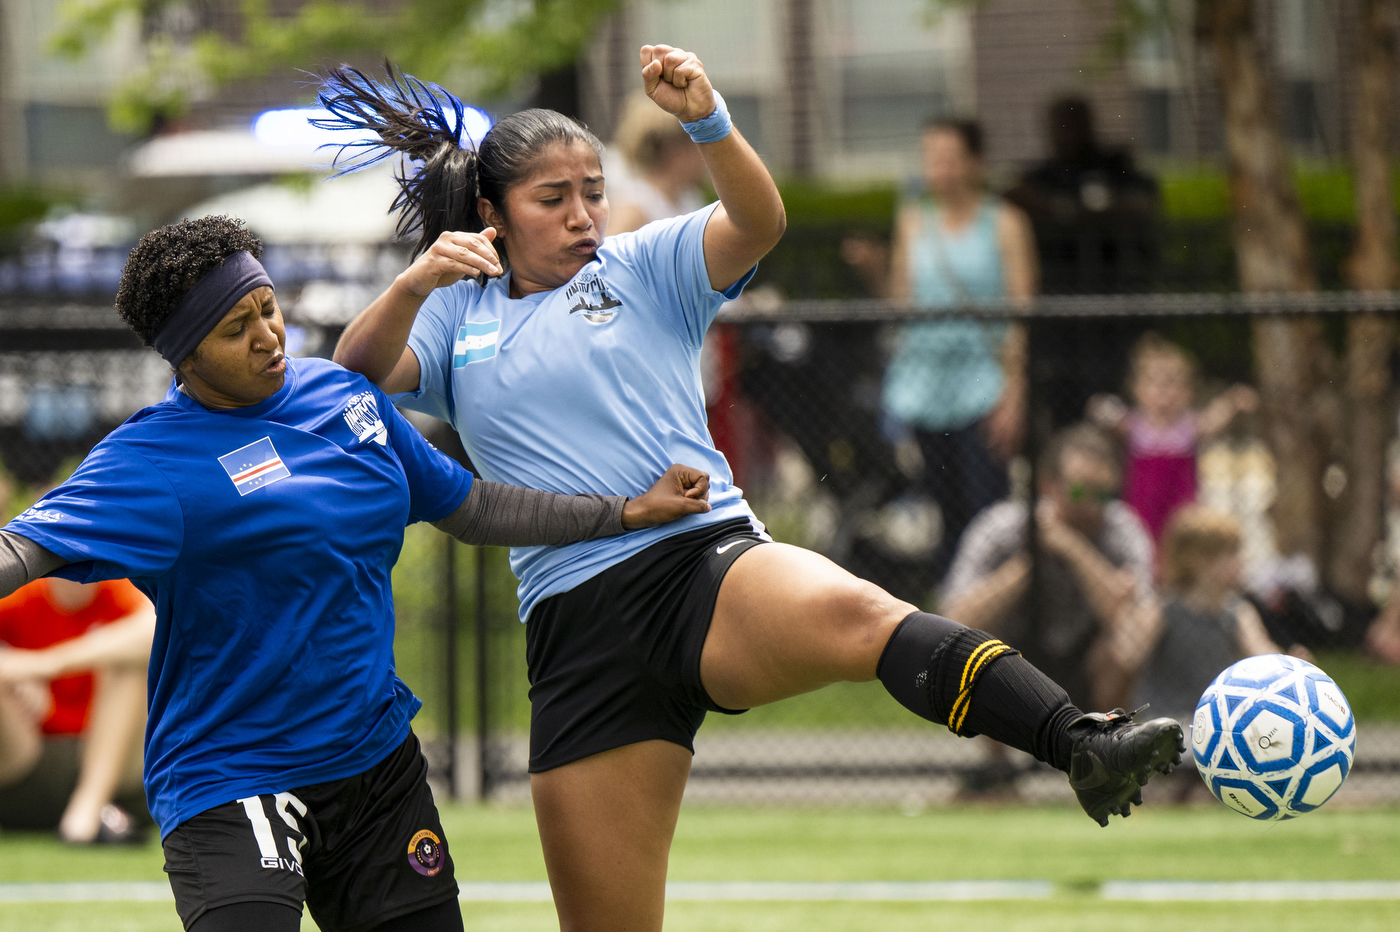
(712,128)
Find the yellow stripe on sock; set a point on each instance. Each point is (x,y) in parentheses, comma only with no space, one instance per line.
(963,690)
(972,659)
(984,654)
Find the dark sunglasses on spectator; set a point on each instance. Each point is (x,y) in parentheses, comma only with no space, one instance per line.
(1078,492)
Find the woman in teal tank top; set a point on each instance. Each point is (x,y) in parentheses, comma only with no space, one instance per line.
(960,384)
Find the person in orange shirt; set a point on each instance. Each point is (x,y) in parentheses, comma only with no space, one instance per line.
(73,663)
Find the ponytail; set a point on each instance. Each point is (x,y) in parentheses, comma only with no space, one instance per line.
(425,123)
(421,121)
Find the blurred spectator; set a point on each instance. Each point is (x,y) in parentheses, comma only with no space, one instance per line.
(1095,218)
(1162,430)
(72,706)
(1382,639)
(662,169)
(1094,575)
(959,384)
(1205,625)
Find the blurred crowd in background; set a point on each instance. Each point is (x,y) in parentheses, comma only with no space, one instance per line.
(1137,498)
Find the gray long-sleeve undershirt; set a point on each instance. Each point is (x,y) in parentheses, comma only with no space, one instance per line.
(492,514)
(499,515)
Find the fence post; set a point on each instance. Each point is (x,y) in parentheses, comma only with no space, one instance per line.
(450,649)
(483,731)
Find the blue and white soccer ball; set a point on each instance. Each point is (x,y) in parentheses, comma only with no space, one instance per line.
(1273,737)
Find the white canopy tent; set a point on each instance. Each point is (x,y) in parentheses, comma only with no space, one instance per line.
(346,210)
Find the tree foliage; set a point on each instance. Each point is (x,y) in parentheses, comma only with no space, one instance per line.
(484,46)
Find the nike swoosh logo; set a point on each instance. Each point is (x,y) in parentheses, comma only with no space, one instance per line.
(732,543)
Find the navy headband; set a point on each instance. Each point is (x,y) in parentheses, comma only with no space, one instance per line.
(201,309)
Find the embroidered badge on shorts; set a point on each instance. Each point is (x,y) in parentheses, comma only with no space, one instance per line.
(425,854)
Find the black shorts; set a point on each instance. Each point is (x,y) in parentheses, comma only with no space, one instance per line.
(616,659)
(358,851)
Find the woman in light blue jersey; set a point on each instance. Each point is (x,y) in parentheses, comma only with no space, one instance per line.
(960,384)
(573,360)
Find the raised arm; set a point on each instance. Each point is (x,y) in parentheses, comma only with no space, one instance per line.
(750,219)
(376,342)
(1216,416)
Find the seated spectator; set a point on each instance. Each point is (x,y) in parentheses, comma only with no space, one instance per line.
(1163,429)
(1205,623)
(661,172)
(72,708)
(1094,575)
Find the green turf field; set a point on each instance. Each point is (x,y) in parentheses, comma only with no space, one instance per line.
(717,844)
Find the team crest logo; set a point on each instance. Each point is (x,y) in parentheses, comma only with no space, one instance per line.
(425,854)
(476,342)
(254,466)
(593,299)
(362,415)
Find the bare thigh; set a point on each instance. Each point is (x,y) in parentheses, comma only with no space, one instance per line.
(606,824)
(789,621)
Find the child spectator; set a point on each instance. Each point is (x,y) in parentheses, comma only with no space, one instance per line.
(1162,430)
(73,663)
(1204,625)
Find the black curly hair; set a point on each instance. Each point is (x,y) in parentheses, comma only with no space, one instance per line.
(168,262)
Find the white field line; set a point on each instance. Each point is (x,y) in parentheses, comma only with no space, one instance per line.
(114,891)
(759,891)
(1251,890)
(778,891)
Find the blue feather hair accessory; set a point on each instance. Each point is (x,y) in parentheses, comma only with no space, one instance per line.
(403,114)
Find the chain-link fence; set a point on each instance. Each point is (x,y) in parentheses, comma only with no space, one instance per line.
(1134,491)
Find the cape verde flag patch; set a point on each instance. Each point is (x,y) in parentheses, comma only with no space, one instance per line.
(254,466)
(475,343)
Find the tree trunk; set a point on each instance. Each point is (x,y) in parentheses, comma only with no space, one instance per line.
(1272,254)
(1359,516)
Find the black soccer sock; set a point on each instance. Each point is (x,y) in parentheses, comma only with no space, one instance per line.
(974,684)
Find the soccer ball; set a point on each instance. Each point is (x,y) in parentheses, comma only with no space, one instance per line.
(1273,737)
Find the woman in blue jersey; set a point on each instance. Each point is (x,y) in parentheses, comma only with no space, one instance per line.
(571,361)
(261,506)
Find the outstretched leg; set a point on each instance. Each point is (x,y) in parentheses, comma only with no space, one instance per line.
(606,823)
(788,621)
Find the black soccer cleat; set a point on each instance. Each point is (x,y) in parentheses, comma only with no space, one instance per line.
(1112,758)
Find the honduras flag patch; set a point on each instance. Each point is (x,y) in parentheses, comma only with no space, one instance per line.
(254,466)
(475,343)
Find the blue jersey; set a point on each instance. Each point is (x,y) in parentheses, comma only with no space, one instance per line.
(265,536)
(592,387)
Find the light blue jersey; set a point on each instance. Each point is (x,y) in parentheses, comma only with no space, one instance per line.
(592,387)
